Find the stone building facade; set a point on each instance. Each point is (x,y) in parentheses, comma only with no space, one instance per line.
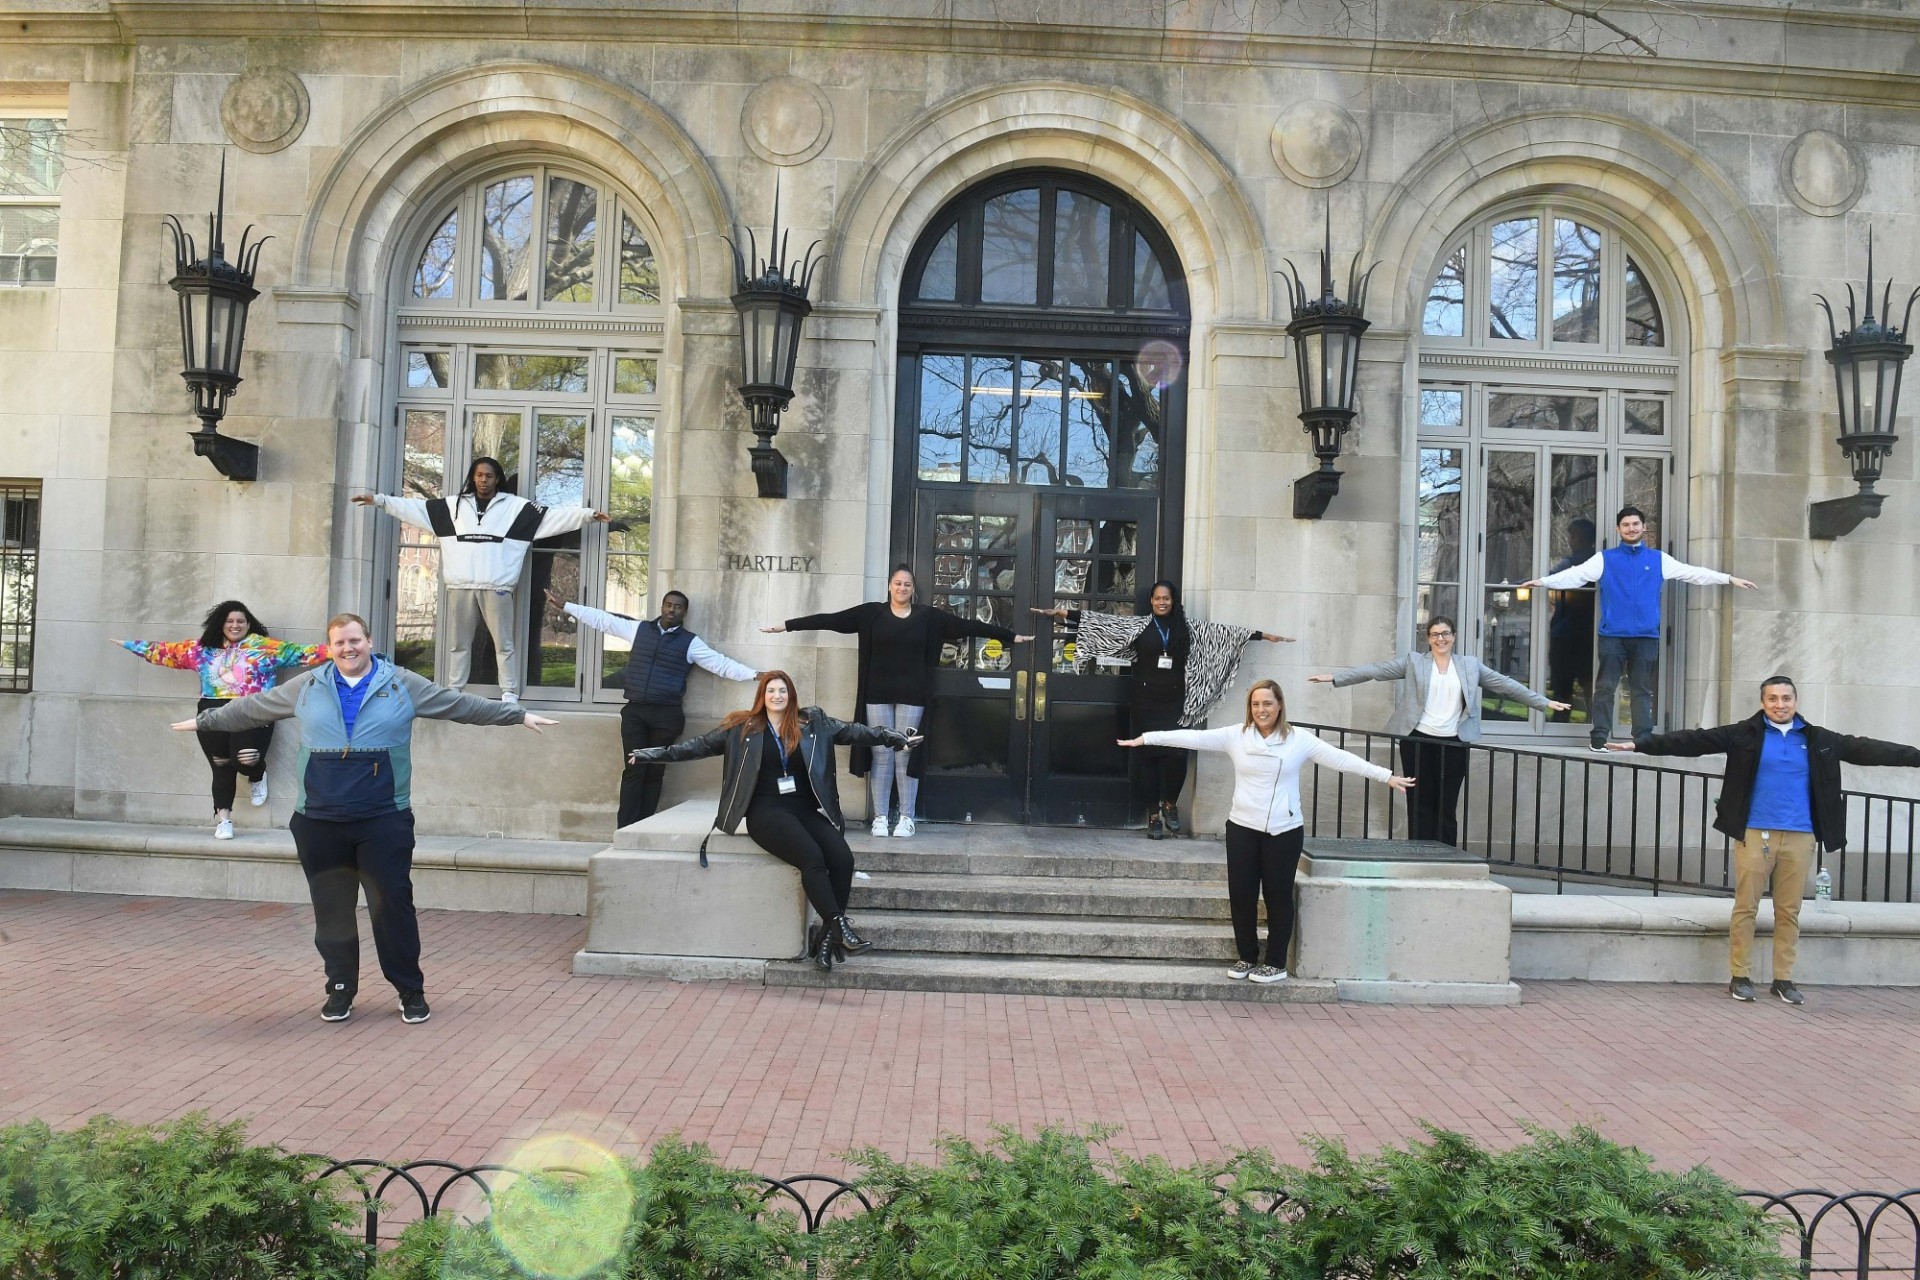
(1047,358)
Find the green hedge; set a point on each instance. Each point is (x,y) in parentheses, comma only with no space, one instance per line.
(191,1201)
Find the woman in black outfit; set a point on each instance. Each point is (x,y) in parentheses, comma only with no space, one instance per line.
(779,777)
(1180,669)
(899,649)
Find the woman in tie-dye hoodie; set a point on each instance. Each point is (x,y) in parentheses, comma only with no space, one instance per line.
(235,657)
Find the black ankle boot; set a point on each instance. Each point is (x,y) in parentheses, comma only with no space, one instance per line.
(852,941)
(823,949)
(1171,817)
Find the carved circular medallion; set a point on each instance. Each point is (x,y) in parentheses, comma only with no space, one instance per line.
(1317,144)
(1821,173)
(265,111)
(787,121)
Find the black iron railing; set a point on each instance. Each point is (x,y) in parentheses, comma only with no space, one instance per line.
(1604,819)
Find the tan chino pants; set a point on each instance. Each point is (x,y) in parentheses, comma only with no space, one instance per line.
(1780,860)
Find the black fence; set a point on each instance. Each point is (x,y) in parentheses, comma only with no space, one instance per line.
(1578,816)
(1863,1234)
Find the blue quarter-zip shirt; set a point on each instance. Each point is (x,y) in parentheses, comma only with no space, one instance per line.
(1783,786)
(1630,591)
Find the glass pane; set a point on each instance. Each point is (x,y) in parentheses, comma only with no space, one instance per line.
(635,376)
(953,532)
(1082,247)
(1140,406)
(423,462)
(943,386)
(416,591)
(1010,248)
(1071,577)
(1432,601)
(433,274)
(1089,393)
(496,436)
(1442,409)
(552,647)
(1576,282)
(630,480)
(1119,538)
(1040,422)
(496,372)
(1514,287)
(1572,535)
(1646,417)
(627,594)
(560,462)
(31,152)
(1644,485)
(1438,551)
(940,278)
(1510,515)
(506,239)
(1445,315)
(29,244)
(990,421)
(639,273)
(1150,289)
(1643,325)
(1073,537)
(427,370)
(1530,411)
(573,228)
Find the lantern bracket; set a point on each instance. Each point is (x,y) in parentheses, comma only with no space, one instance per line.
(776,283)
(1866,357)
(1327,393)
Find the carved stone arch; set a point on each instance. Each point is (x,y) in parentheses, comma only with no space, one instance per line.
(1671,196)
(1097,130)
(404,153)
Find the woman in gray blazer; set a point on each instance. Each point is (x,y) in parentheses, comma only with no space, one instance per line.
(1435,713)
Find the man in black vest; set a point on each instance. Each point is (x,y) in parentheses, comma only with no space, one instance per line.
(656,682)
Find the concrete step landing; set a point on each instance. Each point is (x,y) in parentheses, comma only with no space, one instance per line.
(1027,976)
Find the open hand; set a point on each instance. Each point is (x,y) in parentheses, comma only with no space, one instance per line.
(1059,613)
(1399,783)
(602,517)
(555,599)
(1620,746)
(184,726)
(361,499)
(1320,679)
(537,723)
(1559,706)
(1274,639)
(1022,639)
(1531,582)
(1132,742)
(914,740)
(1742,582)
(776,629)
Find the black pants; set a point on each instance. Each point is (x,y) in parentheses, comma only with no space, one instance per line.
(1258,863)
(1439,769)
(223,755)
(645,724)
(340,859)
(1161,772)
(803,838)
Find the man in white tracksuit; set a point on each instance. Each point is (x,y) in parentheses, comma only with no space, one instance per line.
(484,534)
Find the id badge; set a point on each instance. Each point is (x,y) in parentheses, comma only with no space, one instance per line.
(1166,662)
(788,784)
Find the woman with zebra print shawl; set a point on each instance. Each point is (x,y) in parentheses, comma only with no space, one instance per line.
(1180,669)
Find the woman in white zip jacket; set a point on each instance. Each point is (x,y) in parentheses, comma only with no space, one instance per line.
(1265,832)
(484,534)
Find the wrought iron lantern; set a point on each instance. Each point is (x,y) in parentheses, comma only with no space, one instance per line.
(1867,360)
(1326,333)
(214,297)
(772,304)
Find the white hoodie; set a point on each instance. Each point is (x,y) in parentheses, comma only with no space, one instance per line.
(484,550)
(1266,771)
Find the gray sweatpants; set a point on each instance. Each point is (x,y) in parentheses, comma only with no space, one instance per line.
(467,606)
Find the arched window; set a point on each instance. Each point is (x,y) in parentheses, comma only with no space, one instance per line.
(529,325)
(1550,396)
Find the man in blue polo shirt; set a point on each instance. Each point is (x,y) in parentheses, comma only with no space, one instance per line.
(1631,577)
(1780,793)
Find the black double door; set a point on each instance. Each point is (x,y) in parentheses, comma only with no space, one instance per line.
(1027,732)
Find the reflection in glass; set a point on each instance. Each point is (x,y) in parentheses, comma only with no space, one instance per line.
(496,436)
(1442,409)
(630,503)
(1513,301)
(1073,537)
(1082,245)
(1530,411)
(635,375)
(1646,417)
(1089,391)
(1438,553)
(1445,314)
(990,421)
(1432,601)
(1010,248)
(1576,282)
(1150,289)
(416,592)
(1643,485)
(573,228)
(940,278)
(506,239)
(1070,577)
(423,462)
(1572,539)
(33,156)
(1643,324)
(427,370)
(495,371)
(639,273)
(1509,516)
(29,244)
(1040,422)
(943,386)
(552,641)
(433,274)
(560,462)
(1140,405)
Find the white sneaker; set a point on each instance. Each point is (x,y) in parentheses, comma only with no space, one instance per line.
(509,696)
(259,793)
(904,830)
(880,825)
(1267,973)
(223,830)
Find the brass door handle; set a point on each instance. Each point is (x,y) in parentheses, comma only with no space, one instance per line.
(1020,696)
(1040,696)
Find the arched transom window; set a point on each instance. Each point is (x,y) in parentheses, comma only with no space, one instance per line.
(1550,397)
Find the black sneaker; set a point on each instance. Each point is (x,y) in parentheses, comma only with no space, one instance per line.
(1741,989)
(1170,816)
(1788,992)
(1597,744)
(339,1005)
(413,1006)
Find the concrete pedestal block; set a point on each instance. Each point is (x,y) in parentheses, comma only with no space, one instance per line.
(653,910)
(1404,923)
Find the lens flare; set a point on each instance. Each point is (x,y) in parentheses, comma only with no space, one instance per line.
(566,1213)
(1160,363)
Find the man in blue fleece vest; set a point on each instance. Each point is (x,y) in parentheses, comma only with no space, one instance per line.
(1631,577)
(353,823)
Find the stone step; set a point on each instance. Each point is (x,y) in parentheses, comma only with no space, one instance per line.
(1116,979)
(1200,860)
(1042,896)
(1048,936)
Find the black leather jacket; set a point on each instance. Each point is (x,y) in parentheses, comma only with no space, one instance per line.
(819,734)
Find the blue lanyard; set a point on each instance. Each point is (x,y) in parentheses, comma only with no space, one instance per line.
(779,750)
(1166,636)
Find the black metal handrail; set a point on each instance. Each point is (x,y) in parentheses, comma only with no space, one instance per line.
(1855,1233)
(1604,819)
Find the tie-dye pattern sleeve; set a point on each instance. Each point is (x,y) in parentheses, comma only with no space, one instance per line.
(183,655)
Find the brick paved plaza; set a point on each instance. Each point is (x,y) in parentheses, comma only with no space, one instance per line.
(147,1008)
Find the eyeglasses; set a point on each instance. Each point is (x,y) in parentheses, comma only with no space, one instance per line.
(1439,635)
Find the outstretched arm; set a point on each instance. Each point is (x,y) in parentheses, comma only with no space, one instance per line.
(1671,569)
(558,520)
(1586,572)
(846,621)
(847,733)
(436,702)
(1320,751)
(252,711)
(1103,635)
(296,655)
(181,655)
(1499,682)
(1394,668)
(1683,742)
(599,619)
(1872,751)
(707,744)
(703,655)
(1188,739)
(411,511)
